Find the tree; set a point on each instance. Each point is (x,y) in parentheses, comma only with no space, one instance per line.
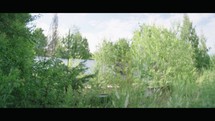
(41,42)
(121,49)
(203,56)
(16,57)
(16,42)
(53,38)
(189,35)
(85,51)
(112,60)
(74,46)
(160,59)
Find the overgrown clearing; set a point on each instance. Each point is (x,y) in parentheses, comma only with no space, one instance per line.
(158,68)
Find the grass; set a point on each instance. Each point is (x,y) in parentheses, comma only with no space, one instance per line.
(199,94)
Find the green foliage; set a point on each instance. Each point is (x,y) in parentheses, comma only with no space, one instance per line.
(212,62)
(203,57)
(15,43)
(74,46)
(16,57)
(51,81)
(47,86)
(188,32)
(25,83)
(189,35)
(121,60)
(10,89)
(41,42)
(160,68)
(112,60)
(160,58)
(206,96)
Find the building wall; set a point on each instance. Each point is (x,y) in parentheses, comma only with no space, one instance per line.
(90,64)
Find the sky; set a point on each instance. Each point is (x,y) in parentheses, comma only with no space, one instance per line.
(111,26)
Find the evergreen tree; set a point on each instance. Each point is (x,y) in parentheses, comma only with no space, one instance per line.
(16,58)
(41,42)
(16,43)
(189,35)
(74,46)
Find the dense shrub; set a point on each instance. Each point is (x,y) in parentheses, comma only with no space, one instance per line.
(50,81)
(161,58)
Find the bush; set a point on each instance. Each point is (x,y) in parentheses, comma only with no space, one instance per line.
(11,89)
(161,58)
(50,82)
(205,94)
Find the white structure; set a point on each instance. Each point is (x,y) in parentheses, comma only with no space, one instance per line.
(90,64)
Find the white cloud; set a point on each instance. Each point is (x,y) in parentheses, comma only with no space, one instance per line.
(112,30)
(95,30)
(209,32)
(198,17)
